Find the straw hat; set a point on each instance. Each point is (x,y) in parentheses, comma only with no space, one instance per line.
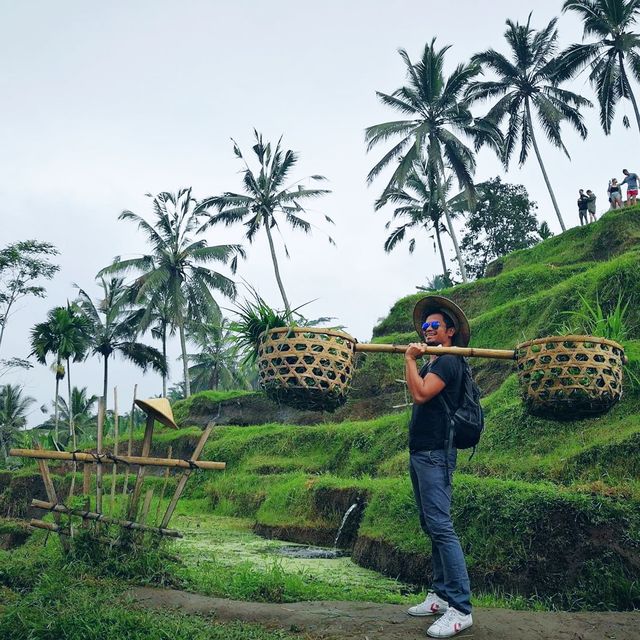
(160,409)
(439,304)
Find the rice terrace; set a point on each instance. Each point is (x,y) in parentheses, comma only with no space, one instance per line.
(399,399)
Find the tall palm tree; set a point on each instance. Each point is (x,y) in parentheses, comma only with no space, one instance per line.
(114,329)
(438,114)
(216,364)
(65,335)
(420,205)
(13,414)
(174,278)
(268,198)
(528,83)
(612,57)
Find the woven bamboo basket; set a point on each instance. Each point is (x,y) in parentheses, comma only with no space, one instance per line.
(306,368)
(570,377)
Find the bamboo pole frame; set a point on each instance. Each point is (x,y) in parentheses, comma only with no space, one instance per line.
(114,470)
(142,461)
(185,476)
(89,515)
(164,486)
(467,352)
(101,411)
(130,444)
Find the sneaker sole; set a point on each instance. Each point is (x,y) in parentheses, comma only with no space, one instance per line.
(427,615)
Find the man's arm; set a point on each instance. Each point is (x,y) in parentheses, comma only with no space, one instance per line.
(422,390)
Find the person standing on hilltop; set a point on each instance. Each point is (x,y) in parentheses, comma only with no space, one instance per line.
(582,207)
(591,205)
(631,180)
(440,322)
(615,194)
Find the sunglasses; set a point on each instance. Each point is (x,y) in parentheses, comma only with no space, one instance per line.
(434,325)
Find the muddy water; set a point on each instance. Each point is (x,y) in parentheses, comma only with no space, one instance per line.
(229,542)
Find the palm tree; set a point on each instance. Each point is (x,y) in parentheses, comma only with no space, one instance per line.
(525,84)
(216,364)
(439,113)
(65,334)
(114,329)
(81,408)
(420,204)
(612,57)
(268,198)
(173,279)
(13,410)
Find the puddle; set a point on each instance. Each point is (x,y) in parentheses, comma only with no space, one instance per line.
(310,553)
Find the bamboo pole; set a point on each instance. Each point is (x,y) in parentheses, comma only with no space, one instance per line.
(146,506)
(130,445)
(114,472)
(88,515)
(185,476)
(467,352)
(101,416)
(164,486)
(143,461)
(86,487)
(137,487)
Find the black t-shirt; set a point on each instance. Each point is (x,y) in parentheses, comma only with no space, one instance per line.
(428,426)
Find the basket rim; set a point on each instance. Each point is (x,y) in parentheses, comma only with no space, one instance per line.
(265,335)
(573,337)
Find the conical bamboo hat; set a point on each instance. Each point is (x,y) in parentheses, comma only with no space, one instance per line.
(160,409)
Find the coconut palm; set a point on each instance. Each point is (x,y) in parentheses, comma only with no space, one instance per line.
(114,329)
(216,364)
(268,199)
(174,277)
(526,84)
(439,114)
(65,335)
(419,203)
(613,56)
(79,410)
(13,414)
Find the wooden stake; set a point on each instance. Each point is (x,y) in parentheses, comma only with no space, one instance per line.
(164,487)
(86,487)
(146,506)
(137,488)
(101,405)
(88,515)
(115,446)
(130,447)
(185,476)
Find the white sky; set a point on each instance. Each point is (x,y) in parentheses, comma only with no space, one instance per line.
(103,102)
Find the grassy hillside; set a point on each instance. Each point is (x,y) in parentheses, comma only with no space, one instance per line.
(546,509)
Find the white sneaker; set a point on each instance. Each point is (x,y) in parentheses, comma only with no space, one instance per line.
(432,605)
(451,623)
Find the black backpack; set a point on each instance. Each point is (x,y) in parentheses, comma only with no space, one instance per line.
(467,421)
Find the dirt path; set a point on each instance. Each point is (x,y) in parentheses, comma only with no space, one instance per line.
(369,621)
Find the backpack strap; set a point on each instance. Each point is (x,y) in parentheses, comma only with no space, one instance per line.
(448,442)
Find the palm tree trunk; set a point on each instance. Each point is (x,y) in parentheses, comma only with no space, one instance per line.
(164,355)
(185,362)
(275,268)
(55,403)
(452,233)
(625,79)
(72,430)
(440,251)
(544,171)
(105,379)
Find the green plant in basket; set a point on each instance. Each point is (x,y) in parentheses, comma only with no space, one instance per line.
(594,320)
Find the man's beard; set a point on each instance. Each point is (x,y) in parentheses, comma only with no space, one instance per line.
(432,342)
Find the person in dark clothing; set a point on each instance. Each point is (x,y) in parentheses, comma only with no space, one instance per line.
(591,205)
(440,322)
(583,203)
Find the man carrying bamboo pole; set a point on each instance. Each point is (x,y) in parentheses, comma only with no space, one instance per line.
(434,388)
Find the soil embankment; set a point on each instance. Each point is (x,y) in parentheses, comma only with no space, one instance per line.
(366,620)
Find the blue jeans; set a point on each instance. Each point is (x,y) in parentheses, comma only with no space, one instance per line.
(433,497)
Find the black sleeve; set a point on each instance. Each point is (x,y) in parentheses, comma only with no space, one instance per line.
(447,368)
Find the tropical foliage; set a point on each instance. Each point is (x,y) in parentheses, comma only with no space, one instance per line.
(173,280)
(269,199)
(438,114)
(13,414)
(613,55)
(527,85)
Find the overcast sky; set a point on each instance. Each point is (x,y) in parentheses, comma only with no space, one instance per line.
(103,102)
